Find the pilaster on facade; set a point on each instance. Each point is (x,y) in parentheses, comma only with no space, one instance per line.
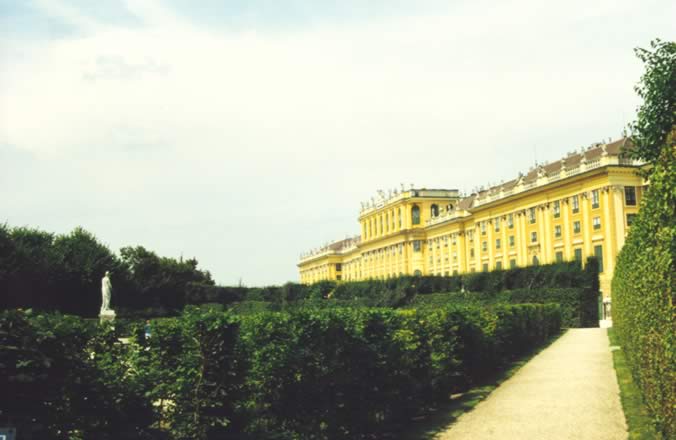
(608,226)
(586,223)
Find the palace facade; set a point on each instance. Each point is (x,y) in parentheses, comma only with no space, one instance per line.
(579,206)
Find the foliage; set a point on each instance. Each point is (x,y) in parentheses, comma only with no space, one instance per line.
(45,271)
(655,119)
(640,424)
(571,301)
(310,374)
(196,372)
(643,282)
(160,281)
(65,378)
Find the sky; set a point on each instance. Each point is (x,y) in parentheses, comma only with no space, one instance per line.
(243,133)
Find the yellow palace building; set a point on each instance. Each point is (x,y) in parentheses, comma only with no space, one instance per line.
(579,206)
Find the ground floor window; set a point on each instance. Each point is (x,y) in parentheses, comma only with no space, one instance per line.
(598,253)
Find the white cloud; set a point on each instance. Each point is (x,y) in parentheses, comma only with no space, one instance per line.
(266,140)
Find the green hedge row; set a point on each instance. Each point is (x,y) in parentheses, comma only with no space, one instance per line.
(578,306)
(399,291)
(644,295)
(310,374)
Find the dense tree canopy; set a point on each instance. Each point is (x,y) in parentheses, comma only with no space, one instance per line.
(655,118)
(45,271)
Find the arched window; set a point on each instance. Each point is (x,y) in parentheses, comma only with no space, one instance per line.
(434,210)
(535,260)
(417,273)
(415,215)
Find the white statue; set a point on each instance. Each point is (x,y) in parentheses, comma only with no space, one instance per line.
(106,292)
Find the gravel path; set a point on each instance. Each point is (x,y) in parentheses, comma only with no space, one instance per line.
(568,391)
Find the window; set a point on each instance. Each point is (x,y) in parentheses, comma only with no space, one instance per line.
(415,215)
(511,241)
(434,210)
(484,268)
(484,246)
(387,222)
(535,260)
(578,254)
(510,221)
(483,228)
(576,227)
(557,209)
(559,257)
(416,246)
(630,219)
(630,195)
(455,272)
(399,216)
(512,263)
(596,222)
(531,215)
(453,239)
(533,237)
(576,204)
(595,198)
(471,253)
(381,225)
(497,224)
(498,265)
(557,231)
(497,243)
(339,277)
(598,253)
(339,267)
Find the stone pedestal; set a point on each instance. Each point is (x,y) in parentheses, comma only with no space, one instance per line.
(107,316)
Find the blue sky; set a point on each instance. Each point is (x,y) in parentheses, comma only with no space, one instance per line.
(243,133)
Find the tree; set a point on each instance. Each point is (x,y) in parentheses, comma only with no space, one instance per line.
(81,262)
(655,119)
(160,281)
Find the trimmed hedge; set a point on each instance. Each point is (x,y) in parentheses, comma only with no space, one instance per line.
(63,377)
(643,296)
(578,306)
(310,374)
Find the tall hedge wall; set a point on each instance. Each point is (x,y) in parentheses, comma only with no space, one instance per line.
(311,374)
(643,297)
(643,281)
(578,306)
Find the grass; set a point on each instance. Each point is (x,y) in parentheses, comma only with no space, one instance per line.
(639,422)
(439,419)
